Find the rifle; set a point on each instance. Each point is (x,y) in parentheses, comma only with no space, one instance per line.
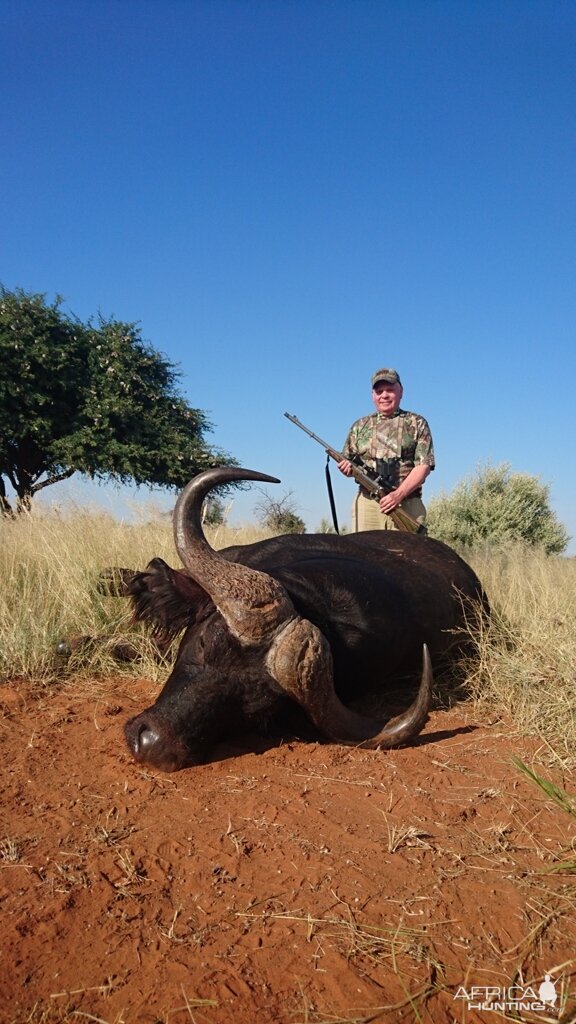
(375,485)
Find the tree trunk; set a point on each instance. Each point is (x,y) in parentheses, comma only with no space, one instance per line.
(6,509)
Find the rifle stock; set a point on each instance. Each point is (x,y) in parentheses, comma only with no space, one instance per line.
(375,488)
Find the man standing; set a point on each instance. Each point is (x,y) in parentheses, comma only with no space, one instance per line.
(398,445)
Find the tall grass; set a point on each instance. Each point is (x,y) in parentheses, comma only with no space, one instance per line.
(50,562)
(49,565)
(527,654)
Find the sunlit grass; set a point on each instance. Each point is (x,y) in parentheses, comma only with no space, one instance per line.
(50,563)
(527,655)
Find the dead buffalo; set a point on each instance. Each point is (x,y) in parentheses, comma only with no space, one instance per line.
(313,621)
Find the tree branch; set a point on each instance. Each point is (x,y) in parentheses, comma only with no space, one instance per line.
(53,480)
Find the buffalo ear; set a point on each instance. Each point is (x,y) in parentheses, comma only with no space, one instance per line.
(114,581)
(167,599)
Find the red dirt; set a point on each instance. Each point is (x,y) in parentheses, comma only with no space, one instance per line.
(281,884)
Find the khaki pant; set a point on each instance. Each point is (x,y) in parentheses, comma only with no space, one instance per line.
(366,514)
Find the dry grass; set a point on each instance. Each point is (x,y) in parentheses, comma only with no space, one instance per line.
(527,654)
(50,563)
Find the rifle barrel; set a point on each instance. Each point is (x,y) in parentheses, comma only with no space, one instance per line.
(327,447)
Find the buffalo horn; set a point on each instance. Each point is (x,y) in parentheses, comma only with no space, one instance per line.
(300,661)
(252,603)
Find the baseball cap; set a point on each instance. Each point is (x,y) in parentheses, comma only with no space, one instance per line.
(390,376)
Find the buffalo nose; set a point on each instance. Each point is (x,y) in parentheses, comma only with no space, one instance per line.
(153,741)
(146,739)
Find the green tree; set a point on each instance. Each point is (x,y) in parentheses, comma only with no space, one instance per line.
(92,398)
(214,511)
(497,506)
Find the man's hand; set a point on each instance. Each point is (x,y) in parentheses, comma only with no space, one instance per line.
(345,467)
(388,502)
(415,478)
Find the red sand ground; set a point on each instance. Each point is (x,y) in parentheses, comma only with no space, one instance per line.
(281,884)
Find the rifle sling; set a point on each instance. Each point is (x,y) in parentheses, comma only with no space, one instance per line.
(331,495)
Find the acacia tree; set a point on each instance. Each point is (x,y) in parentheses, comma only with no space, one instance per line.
(497,506)
(92,398)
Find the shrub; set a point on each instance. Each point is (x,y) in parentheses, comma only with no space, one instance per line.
(498,506)
(280,515)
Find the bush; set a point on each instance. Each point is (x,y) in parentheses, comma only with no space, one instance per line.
(497,506)
(279,514)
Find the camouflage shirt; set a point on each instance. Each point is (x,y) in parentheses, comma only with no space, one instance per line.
(392,444)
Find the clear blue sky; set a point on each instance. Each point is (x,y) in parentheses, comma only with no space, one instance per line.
(289,194)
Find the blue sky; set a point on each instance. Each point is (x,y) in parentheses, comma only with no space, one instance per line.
(289,194)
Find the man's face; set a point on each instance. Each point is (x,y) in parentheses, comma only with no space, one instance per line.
(386,397)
